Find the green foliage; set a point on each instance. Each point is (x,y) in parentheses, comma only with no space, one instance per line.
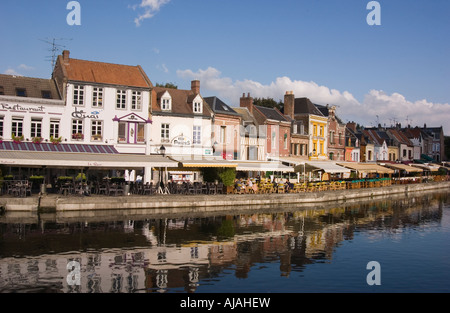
(167,85)
(227,176)
(268,102)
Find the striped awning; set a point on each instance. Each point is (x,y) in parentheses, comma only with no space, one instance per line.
(404,167)
(79,160)
(62,147)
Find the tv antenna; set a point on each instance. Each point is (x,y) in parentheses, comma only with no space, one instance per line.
(55,49)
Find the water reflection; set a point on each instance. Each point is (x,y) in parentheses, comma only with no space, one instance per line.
(182,253)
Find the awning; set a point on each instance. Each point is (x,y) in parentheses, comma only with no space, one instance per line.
(262,167)
(327,167)
(404,167)
(290,160)
(79,160)
(367,168)
(202,162)
(427,167)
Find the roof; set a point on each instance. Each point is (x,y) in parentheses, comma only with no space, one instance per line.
(181,101)
(271,113)
(34,87)
(399,136)
(305,106)
(104,73)
(218,106)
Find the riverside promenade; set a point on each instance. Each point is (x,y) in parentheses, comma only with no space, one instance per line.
(163,204)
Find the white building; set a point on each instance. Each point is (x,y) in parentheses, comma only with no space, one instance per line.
(106,103)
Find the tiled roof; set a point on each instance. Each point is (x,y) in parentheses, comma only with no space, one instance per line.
(271,113)
(34,87)
(181,101)
(105,73)
(305,106)
(218,106)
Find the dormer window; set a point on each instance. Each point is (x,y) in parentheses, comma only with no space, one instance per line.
(21,92)
(198,105)
(166,102)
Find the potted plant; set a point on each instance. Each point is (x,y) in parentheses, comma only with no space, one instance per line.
(1,139)
(228,176)
(37,140)
(77,136)
(17,139)
(55,141)
(97,137)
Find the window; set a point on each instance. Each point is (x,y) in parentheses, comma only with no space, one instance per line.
(97,97)
(274,142)
(122,135)
(36,127)
(294,130)
(285,141)
(96,130)
(46,94)
(17,126)
(54,128)
(166,104)
(197,135)
(77,129)
(21,92)
(315,130)
(165,133)
(136,100)
(321,131)
(198,107)
(332,137)
(223,134)
(78,95)
(2,91)
(121,99)
(141,133)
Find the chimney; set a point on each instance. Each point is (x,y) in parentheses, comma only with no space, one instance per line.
(289,104)
(352,126)
(66,56)
(195,87)
(247,102)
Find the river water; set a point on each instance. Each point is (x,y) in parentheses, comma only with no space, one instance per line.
(277,250)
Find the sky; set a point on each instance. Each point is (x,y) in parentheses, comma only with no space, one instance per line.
(325,50)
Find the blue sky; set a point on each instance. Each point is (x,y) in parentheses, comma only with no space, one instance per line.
(398,71)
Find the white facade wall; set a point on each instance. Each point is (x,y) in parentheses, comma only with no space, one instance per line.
(180,140)
(136,132)
(26,110)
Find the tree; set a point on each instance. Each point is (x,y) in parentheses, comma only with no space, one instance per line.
(268,103)
(167,85)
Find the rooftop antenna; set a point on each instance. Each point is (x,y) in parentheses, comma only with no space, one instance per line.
(55,49)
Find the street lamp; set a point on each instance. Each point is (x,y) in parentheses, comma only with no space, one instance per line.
(162,150)
(161,187)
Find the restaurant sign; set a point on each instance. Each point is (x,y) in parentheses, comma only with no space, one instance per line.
(19,108)
(181,141)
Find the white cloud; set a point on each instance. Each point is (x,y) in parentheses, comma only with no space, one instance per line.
(151,7)
(163,68)
(376,105)
(11,71)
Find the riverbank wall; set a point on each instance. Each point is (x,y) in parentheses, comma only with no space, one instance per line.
(158,204)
